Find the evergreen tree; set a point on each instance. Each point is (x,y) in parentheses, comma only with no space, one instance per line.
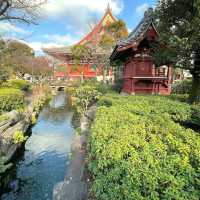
(179,27)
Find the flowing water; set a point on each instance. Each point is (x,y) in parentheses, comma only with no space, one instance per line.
(47,153)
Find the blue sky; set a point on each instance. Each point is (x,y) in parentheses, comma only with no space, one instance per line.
(64,22)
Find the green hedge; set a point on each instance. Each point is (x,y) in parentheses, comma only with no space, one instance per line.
(138,152)
(18,84)
(148,105)
(11,99)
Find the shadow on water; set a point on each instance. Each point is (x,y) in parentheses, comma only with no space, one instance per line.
(46,158)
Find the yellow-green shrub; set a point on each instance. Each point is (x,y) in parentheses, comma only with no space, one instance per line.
(11,99)
(33,119)
(18,84)
(137,151)
(19,137)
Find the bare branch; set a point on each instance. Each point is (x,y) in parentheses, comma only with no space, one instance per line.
(4,5)
(26,11)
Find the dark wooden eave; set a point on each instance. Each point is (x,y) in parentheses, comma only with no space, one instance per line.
(135,37)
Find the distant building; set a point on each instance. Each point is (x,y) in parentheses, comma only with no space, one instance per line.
(64,54)
(140,76)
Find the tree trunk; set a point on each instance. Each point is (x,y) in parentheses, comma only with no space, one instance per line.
(195,91)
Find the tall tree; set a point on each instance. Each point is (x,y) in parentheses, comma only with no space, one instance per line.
(19,54)
(41,67)
(81,54)
(5,68)
(178,24)
(26,11)
(117,30)
(114,32)
(99,53)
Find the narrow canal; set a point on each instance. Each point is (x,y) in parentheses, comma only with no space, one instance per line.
(47,153)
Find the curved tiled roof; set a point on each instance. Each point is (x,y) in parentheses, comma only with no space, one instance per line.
(95,31)
(140,30)
(63,50)
(98,27)
(136,35)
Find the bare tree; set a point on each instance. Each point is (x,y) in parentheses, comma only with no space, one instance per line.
(26,11)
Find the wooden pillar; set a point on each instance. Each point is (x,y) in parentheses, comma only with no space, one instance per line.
(170,77)
(133,66)
(133,86)
(153,89)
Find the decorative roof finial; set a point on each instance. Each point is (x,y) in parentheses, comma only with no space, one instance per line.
(108,7)
(148,13)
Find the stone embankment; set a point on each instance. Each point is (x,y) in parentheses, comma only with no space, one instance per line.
(18,123)
(75,185)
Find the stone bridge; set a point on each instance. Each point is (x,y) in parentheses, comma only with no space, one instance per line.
(59,85)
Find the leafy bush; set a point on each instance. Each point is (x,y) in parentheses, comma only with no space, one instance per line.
(104,88)
(85,94)
(19,137)
(83,97)
(11,99)
(182,87)
(18,84)
(147,105)
(137,151)
(70,90)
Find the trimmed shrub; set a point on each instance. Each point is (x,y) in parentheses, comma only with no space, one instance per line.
(138,151)
(18,84)
(11,99)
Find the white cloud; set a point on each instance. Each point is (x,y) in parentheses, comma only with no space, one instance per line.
(129,30)
(142,8)
(49,41)
(78,14)
(6,27)
(37,46)
(58,7)
(61,39)
(75,15)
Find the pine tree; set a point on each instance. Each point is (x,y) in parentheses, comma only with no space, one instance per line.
(179,27)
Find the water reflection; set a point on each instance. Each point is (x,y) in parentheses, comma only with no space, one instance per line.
(44,162)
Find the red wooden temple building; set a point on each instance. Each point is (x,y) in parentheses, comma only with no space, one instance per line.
(64,55)
(140,75)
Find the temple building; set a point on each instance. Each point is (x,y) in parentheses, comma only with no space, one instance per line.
(85,69)
(140,76)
